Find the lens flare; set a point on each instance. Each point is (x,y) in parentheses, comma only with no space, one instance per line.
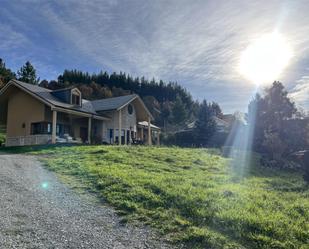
(238,146)
(45,185)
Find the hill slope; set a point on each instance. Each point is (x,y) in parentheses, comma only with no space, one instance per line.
(191,195)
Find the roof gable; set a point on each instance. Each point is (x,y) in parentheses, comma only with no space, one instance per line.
(117,103)
(47,97)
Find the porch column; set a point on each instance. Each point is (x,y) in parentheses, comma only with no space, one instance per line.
(125,136)
(54,127)
(142,134)
(114,135)
(158,138)
(119,128)
(89,130)
(149,132)
(130,136)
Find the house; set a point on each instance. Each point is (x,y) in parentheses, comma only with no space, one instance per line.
(36,115)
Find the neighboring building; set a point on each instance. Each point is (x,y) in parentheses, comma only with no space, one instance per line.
(221,126)
(36,115)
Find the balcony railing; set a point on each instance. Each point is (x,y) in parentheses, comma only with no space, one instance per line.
(28,140)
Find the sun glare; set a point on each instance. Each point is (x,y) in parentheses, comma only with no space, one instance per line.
(265,59)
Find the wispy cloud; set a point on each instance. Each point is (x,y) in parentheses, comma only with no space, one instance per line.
(197,43)
(300,93)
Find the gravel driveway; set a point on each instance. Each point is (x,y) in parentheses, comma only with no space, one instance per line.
(37,211)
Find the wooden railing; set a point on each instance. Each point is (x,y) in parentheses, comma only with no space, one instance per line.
(28,140)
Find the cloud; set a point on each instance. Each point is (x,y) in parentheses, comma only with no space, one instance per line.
(11,39)
(300,92)
(196,43)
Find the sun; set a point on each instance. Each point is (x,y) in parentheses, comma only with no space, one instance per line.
(264,60)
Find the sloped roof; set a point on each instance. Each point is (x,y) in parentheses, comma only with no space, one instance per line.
(112,103)
(89,107)
(47,96)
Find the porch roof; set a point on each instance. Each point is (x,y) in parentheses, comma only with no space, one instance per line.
(144,124)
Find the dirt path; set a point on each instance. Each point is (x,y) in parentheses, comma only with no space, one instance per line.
(37,211)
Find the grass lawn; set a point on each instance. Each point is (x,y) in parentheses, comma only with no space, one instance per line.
(192,195)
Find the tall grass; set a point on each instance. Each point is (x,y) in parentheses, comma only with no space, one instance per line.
(193,196)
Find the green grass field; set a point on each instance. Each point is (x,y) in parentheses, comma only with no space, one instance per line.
(192,196)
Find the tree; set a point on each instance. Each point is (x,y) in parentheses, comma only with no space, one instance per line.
(44,83)
(27,73)
(179,111)
(5,74)
(205,125)
(217,109)
(268,115)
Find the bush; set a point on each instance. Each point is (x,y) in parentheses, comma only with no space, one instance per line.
(2,139)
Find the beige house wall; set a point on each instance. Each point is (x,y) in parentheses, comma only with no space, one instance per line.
(127,121)
(23,109)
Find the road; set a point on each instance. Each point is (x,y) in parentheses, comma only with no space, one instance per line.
(38,211)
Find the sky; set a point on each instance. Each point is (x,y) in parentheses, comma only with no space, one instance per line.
(196,43)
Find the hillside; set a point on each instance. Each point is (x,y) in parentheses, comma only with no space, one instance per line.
(191,196)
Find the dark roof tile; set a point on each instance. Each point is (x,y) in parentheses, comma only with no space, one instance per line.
(112,103)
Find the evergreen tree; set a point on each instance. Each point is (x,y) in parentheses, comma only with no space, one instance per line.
(179,112)
(217,109)
(269,115)
(5,74)
(205,125)
(44,84)
(27,73)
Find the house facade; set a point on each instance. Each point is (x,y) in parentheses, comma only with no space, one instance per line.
(35,115)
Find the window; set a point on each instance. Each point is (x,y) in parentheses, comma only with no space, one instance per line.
(49,128)
(40,128)
(46,128)
(130,109)
(75,99)
(58,129)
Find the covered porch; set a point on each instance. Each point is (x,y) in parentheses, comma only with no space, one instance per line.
(66,126)
(148,132)
(60,126)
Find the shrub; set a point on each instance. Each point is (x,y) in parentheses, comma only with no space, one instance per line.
(2,139)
